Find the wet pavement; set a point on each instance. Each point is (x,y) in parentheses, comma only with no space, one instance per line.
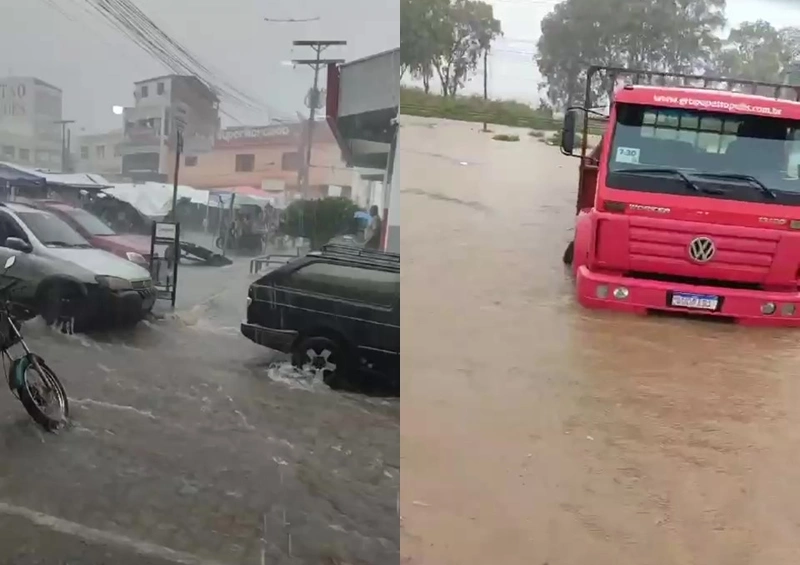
(538,432)
(188,446)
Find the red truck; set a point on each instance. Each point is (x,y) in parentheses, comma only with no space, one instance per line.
(691,202)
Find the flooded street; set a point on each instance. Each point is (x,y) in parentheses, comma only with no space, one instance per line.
(188,445)
(535,432)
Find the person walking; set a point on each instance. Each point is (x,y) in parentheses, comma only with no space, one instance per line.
(373,233)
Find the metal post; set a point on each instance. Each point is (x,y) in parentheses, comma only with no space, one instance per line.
(178,150)
(316,63)
(485,83)
(63,124)
(176,255)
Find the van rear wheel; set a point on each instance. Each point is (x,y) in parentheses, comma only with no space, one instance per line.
(323,357)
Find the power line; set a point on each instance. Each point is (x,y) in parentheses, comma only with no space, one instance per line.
(291,20)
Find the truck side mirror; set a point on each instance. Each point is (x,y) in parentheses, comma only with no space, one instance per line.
(568,132)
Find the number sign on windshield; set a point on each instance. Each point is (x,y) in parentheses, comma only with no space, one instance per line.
(627,155)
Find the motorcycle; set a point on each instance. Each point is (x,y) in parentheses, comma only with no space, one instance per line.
(38,398)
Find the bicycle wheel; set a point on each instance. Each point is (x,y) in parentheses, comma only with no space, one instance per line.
(41,393)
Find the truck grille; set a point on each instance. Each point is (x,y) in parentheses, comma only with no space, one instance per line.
(659,249)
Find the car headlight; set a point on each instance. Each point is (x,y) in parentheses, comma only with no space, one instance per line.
(113,283)
(136,257)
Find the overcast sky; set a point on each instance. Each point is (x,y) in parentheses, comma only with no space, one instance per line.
(513,74)
(65,43)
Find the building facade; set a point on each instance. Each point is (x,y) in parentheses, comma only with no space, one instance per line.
(164,105)
(99,153)
(363,101)
(268,157)
(30,132)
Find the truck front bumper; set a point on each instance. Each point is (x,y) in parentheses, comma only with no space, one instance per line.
(751,307)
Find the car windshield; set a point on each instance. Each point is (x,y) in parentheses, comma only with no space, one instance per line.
(89,222)
(51,230)
(730,156)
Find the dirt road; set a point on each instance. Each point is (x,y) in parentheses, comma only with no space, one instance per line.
(537,432)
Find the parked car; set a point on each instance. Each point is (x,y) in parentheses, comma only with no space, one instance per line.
(64,278)
(132,247)
(337,311)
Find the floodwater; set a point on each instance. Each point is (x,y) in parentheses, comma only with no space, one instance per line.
(534,431)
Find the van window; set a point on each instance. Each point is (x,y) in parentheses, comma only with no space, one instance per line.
(348,282)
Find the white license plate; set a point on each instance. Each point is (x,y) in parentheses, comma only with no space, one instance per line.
(694,301)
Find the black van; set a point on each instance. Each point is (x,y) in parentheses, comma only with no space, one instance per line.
(337,311)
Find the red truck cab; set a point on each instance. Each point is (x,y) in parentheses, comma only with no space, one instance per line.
(691,203)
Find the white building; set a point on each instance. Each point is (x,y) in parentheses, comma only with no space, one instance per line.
(30,134)
(163,105)
(99,153)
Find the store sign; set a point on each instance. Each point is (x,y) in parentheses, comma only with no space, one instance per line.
(16,101)
(255,135)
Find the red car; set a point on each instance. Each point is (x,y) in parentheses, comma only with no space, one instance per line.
(135,248)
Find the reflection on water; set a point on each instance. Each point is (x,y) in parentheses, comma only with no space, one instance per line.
(535,431)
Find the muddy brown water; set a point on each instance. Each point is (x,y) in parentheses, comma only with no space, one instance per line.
(534,431)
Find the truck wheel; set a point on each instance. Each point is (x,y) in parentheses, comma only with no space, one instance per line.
(569,253)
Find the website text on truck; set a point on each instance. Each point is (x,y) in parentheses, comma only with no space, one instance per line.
(691,202)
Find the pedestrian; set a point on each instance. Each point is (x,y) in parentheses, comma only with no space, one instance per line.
(373,233)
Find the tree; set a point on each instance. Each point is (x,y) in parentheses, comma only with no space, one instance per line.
(472,28)
(666,35)
(424,32)
(754,51)
(319,220)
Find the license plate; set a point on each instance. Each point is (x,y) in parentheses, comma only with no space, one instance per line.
(694,301)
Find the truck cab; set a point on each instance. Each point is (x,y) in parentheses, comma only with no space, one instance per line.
(691,202)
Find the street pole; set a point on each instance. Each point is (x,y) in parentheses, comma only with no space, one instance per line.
(178,150)
(485,82)
(64,149)
(317,63)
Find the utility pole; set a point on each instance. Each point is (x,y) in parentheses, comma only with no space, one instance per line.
(313,101)
(64,143)
(485,83)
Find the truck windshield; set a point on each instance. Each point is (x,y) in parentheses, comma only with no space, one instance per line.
(731,156)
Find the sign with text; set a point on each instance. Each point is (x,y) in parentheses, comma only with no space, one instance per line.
(242,136)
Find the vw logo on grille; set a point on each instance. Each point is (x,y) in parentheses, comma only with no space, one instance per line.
(702,249)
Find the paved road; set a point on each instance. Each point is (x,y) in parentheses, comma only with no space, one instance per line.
(187,447)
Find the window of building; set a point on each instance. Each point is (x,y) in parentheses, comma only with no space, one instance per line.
(371,286)
(24,155)
(84,151)
(191,160)
(160,88)
(290,161)
(101,151)
(9,151)
(245,163)
(144,91)
(117,150)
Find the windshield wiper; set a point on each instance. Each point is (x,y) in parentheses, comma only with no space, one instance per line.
(736,176)
(686,180)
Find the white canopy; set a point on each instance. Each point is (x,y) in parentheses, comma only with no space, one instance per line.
(87,180)
(154,199)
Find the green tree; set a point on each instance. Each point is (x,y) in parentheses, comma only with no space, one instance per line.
(424,31)
(472,28)
(319,220)
(755,51)
(667,35)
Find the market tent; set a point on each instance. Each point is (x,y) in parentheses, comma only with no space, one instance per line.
(77,180)
(154,199)
(221,197)
(13,176)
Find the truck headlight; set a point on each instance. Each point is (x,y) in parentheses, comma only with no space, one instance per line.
(136,258)
(113,283)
